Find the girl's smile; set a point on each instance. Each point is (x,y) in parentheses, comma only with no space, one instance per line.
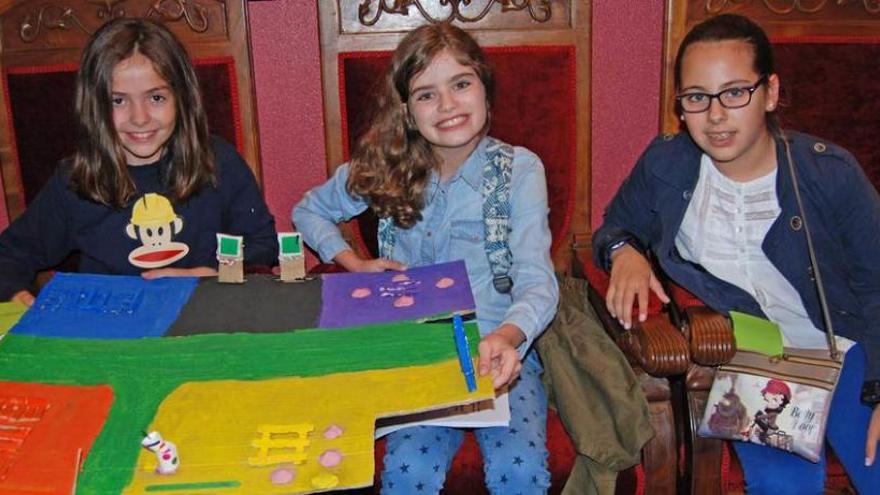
(447,103)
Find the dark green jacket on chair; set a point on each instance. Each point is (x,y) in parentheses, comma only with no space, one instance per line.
(595,391)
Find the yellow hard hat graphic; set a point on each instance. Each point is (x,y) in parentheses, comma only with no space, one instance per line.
(152,208)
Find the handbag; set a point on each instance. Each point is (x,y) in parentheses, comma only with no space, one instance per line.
(780,401)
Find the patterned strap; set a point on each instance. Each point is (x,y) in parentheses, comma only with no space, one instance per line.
(495,190)
(496,212)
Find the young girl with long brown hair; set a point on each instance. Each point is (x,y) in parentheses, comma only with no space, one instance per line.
(422,168)
(718,207)
(148,188)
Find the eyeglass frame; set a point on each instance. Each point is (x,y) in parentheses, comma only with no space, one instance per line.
(717,96)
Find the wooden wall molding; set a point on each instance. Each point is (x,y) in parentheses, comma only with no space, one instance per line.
(67,23)
(785,7)
(453,10)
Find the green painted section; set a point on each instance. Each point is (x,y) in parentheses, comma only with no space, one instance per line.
(291,244)
(143,372)
(230,246)
(193,486)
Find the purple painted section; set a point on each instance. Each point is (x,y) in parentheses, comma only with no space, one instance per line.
(339,309)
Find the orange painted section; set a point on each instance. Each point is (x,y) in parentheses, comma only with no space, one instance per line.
(42,429)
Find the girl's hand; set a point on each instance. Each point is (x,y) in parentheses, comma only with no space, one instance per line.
(631,278)
(23,297)
(873,437)
(354,263)
(202,271)
(498,354)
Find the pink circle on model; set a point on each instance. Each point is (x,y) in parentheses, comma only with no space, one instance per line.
(330,458)
(333,431)
(404,302)
(400,277)
(444,283)
(282,476)
(360,293)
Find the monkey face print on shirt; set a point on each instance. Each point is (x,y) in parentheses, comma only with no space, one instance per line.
(154,224)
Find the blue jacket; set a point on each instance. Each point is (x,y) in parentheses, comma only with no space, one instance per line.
(842,208)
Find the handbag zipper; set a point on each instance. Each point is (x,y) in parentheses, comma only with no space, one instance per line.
(826,363)
(823,384)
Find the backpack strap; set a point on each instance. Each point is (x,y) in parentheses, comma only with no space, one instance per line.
(387,237)
(496,212)
(495,189)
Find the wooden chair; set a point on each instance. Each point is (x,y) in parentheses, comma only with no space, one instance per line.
(39,52)
(540,54)
(822,51)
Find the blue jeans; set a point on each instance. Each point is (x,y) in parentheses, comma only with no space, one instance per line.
(514,457)
(773,471)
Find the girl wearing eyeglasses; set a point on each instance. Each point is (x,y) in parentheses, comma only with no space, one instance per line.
(716,206)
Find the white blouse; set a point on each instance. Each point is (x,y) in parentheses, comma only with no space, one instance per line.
(723,229)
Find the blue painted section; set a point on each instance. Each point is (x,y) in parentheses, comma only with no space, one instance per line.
(106,306)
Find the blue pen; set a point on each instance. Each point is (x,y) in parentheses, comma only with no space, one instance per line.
(464,354)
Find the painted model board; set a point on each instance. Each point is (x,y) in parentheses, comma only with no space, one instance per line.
(94,365)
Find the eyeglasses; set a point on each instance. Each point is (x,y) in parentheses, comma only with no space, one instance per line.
(729,98)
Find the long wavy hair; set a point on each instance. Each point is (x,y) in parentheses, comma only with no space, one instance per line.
(392,161)
(99,171)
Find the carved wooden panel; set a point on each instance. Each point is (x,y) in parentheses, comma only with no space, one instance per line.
(67,24)
(402,15)
(47,36)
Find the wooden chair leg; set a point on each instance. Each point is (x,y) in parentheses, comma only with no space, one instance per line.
(659,455)
(703,455)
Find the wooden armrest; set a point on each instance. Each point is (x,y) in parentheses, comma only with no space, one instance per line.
(710,335)
(655,345)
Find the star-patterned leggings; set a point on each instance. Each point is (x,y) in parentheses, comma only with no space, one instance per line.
(514,457)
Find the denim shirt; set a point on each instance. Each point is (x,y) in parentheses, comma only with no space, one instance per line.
(841,205)
(452,229)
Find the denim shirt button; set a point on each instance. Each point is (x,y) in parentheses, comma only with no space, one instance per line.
(687,195)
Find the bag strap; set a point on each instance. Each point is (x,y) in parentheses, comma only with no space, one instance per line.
(820,287)
(495,190)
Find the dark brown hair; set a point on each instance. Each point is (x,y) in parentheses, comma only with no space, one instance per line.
(99,170)
(728,27)
(392,162)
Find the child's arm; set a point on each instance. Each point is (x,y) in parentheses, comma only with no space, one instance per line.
(535,292)
(38,239)
(23,297)
(201,271)
(316,217)
(349,260)
(629,218)
(498,354)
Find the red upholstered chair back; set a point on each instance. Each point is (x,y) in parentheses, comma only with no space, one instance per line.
(541,102)
(40,51)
